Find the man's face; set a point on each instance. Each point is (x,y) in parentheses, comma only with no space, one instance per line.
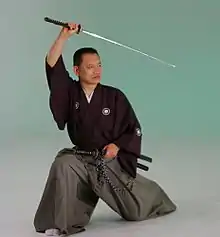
(90,69)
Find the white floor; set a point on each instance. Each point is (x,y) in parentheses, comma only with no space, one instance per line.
(188,172)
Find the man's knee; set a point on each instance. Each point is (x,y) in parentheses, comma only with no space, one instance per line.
(67,162)
(64,159)
(132,217)
(135,215)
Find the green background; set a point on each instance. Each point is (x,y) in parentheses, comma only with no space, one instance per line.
(178,107)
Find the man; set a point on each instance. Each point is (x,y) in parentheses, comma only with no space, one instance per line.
(97,117)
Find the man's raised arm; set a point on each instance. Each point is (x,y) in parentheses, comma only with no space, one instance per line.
(58,78)
(57,47)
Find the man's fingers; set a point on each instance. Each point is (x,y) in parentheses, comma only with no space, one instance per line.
(73,26)
(110,154)
(109,151)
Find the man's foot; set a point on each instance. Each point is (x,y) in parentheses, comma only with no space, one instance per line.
(52,232)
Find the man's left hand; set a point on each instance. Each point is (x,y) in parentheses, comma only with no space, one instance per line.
(111,150)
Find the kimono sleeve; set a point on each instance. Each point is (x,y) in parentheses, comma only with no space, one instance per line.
(129,136)
(59,83)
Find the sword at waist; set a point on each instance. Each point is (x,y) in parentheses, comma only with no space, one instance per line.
(97,153)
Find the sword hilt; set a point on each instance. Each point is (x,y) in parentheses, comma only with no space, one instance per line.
(61,23)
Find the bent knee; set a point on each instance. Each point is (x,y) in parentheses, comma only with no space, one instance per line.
(134,214)
(133,217)
(64,159)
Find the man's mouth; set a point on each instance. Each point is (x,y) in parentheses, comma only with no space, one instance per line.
(96,77)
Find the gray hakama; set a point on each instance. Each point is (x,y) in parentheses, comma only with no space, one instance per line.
(73,189)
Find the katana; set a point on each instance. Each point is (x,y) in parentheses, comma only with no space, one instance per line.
(60,23)
(96,153)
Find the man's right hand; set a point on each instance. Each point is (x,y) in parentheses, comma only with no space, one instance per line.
(57,47)
(66,33)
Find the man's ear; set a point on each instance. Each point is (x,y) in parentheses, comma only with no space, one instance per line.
(76,70)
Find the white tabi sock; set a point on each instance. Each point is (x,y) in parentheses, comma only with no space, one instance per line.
(52,232)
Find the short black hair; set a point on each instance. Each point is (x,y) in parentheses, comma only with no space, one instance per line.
(77,57)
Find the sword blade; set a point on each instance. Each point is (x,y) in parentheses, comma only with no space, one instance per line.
(125,46)
(53,21)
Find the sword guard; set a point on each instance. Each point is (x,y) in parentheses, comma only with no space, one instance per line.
(79,29)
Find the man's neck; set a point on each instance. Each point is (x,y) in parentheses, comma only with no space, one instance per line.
(88,89)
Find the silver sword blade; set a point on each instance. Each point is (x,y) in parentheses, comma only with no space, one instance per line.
(127,47)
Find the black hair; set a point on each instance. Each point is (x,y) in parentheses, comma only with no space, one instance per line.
(77,57)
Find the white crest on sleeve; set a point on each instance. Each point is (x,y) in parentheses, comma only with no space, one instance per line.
(77,105)
(138,132)
(106,111)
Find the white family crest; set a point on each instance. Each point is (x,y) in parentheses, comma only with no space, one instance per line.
(138,132)
(106,111)
(77,105)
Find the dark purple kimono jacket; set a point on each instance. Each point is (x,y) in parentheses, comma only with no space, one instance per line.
(108,118)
